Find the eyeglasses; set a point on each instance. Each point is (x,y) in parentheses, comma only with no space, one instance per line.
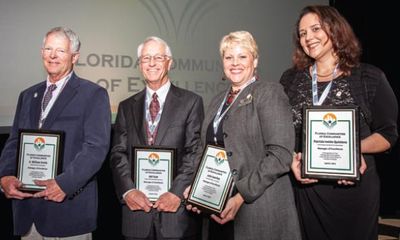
(59,51)
(156,58)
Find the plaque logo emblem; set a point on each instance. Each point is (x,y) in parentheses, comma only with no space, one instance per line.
(154,159)
(329,120)
(220,158)
(39,143)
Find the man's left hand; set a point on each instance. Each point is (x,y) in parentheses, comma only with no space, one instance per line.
(52,192)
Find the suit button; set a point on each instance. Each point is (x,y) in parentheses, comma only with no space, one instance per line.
(234,172)
(225,135)
(229,154)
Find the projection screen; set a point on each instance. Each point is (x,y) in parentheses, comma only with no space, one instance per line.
(110,32)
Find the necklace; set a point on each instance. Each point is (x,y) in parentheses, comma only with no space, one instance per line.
(325,75)
(330,73)
(317,101)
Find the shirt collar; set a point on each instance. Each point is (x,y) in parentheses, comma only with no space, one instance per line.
(161,92)
(60,83)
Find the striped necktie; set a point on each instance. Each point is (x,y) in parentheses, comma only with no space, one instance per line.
(49,94)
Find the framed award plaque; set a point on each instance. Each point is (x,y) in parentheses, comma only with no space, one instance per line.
(212,183)
(153,170)
(331,144)
(39,157)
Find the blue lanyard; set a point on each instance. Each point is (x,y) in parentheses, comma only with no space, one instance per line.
(314,87)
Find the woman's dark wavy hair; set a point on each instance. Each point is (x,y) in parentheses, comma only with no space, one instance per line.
(345,44)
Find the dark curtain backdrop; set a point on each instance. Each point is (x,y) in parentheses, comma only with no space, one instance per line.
(374,22)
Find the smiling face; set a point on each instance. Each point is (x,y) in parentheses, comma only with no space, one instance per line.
(58,59)
(313,39)
(239,65)
(154,64)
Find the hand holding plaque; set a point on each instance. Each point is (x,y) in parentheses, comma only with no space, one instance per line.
(212,184)
(39,157)
(331,143)
(153,170)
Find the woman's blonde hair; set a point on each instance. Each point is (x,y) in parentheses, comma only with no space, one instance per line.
(243,39)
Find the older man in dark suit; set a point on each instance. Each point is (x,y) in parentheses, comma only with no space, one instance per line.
(67,207)
(160,115)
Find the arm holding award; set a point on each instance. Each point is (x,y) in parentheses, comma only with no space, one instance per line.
(58,142)
(344,112)
(156,133)
(10,185)
(39,157)
(331,147)
(248,137)
(154,169)
(213,181)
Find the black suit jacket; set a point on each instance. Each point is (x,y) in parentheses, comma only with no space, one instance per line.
(179,127)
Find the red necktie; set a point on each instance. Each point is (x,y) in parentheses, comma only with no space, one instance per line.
(154,107)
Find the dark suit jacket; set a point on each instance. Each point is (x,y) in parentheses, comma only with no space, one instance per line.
(82,111)
(179,127)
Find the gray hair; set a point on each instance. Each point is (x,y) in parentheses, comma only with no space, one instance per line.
(157,39)
(75,44)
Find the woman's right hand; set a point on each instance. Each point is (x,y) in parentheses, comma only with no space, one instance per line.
(296,169)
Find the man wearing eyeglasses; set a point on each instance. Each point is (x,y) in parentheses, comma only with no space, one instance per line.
(63,207)
(161,115)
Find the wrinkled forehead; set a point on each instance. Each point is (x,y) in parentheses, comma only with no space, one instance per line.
(58,38)
(153,47)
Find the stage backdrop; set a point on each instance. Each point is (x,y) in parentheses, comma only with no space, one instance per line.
(110,32)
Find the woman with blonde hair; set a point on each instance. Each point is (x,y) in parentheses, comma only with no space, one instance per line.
(251,120)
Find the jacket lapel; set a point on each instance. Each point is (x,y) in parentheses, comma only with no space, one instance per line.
(168,113)
(69,91)
(36,109)
(216,103)
(212,111)
(243,99)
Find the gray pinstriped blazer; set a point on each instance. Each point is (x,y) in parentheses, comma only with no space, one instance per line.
(259,140)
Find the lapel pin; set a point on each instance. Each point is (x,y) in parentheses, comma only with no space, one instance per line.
(35,95)
(246,100)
